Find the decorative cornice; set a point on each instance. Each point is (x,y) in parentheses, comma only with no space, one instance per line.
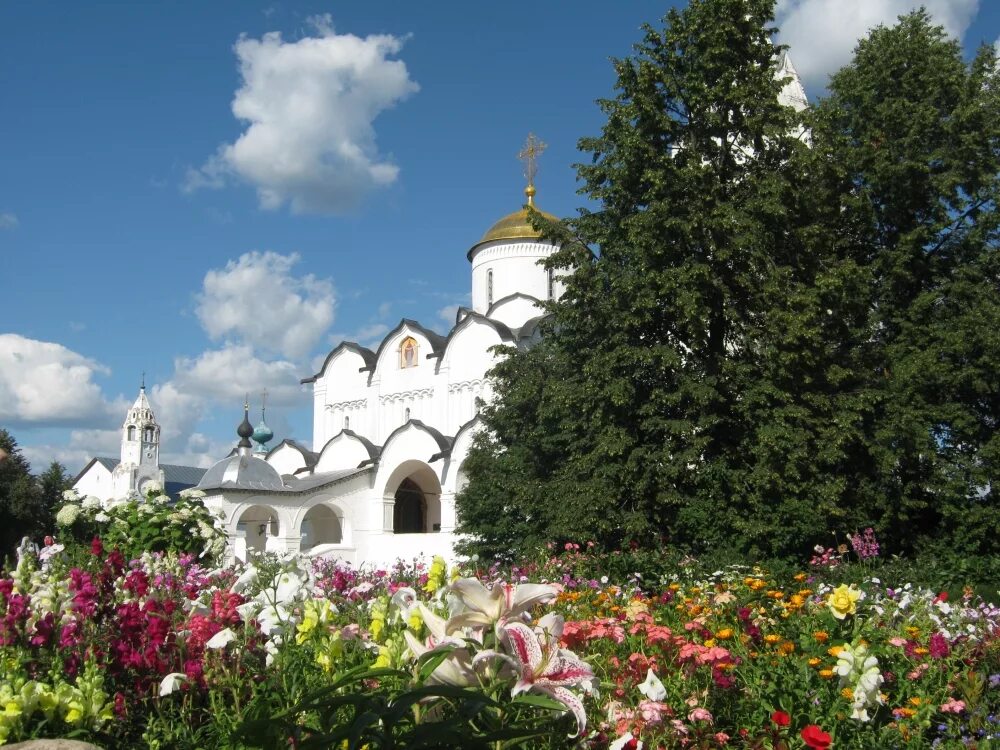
(461,386)
(356,403)
(402,395)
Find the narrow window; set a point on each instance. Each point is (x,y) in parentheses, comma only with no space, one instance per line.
(408,353)
(406,414)
(149,435)
(552,284)
(347,423)
(489,287)
(131,432)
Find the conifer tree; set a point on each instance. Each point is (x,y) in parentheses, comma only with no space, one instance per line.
(911,135)
(631,421)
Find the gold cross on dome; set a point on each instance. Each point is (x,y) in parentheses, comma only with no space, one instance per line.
(533,148)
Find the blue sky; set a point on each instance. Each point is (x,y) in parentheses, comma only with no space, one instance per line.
(144,226)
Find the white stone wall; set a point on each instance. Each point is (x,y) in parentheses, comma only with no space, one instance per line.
(516,269)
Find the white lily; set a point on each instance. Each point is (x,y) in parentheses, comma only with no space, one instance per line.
(485,607)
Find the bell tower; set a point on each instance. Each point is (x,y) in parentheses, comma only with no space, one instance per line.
(140,452)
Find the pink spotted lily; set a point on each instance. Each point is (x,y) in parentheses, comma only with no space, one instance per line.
(543,667)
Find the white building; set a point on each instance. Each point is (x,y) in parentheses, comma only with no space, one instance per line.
(139,463)
(391,427)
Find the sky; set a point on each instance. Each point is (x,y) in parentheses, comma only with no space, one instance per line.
(216,194)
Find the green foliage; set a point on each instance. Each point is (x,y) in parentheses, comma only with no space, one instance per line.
(155,524)
(23,502)
(352,712)
(791,327)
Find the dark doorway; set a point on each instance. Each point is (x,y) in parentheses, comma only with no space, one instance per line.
(410,512)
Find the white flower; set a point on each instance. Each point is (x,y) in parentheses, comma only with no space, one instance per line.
(221,639)
(150,487)
(192,492)
(172,682)
(67,515)
(652,688)
(91,503)
(624,740)
(161,499)
(70,496)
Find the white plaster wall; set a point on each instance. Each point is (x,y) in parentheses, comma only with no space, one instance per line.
(342,391)
(96,482)
(515,269)
(398,389)
(286,460)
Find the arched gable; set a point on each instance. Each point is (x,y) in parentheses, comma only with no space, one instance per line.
(367,357)
(411,441)
(514,309)
(288,457)
(467,347)
(346,450)
(430,345)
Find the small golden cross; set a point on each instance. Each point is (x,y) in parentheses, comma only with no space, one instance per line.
(533,148)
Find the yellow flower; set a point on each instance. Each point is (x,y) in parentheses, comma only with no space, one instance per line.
(709,643)
(843,601)
(772,638)
(826,674)
(437,575)
(834,651)
(920,651)
(786,647)
(725,634)
(847,693)
(821,636)
(800,577)
(912,631)
(916,701)
(11,710)
(813,662)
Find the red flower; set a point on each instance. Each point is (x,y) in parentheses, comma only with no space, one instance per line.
(815,737)
(96,548)
(781,718)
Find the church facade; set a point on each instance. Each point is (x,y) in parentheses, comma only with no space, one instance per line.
(391,426)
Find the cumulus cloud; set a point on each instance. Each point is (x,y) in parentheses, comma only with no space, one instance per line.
(215,382)
(257,300)
(822,34)
(43,383)
(8,220)
(310,106)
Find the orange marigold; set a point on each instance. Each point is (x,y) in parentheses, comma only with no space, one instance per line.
(821,636)
(826,674)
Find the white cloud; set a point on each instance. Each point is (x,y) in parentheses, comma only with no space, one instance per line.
(227,374)
(259,301)
(44,383)
(822,34)
(8,220)
(448,314)
(309,106)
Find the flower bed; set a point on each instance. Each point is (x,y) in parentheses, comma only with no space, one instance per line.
(162,652)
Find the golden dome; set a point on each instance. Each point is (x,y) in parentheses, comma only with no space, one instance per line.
(516,226)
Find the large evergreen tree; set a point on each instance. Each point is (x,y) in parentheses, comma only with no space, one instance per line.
(637,416)
(774,340)
(910,136)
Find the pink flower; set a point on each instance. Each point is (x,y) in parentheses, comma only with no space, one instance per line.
(700,714)
(939,646)
(952,706)
(722,738)
(653,712)
(898,642)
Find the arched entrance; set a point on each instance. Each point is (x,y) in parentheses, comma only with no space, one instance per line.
(321,525)
(416,494)
(255,526)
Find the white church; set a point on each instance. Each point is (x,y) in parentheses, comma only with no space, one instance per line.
(391,427)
